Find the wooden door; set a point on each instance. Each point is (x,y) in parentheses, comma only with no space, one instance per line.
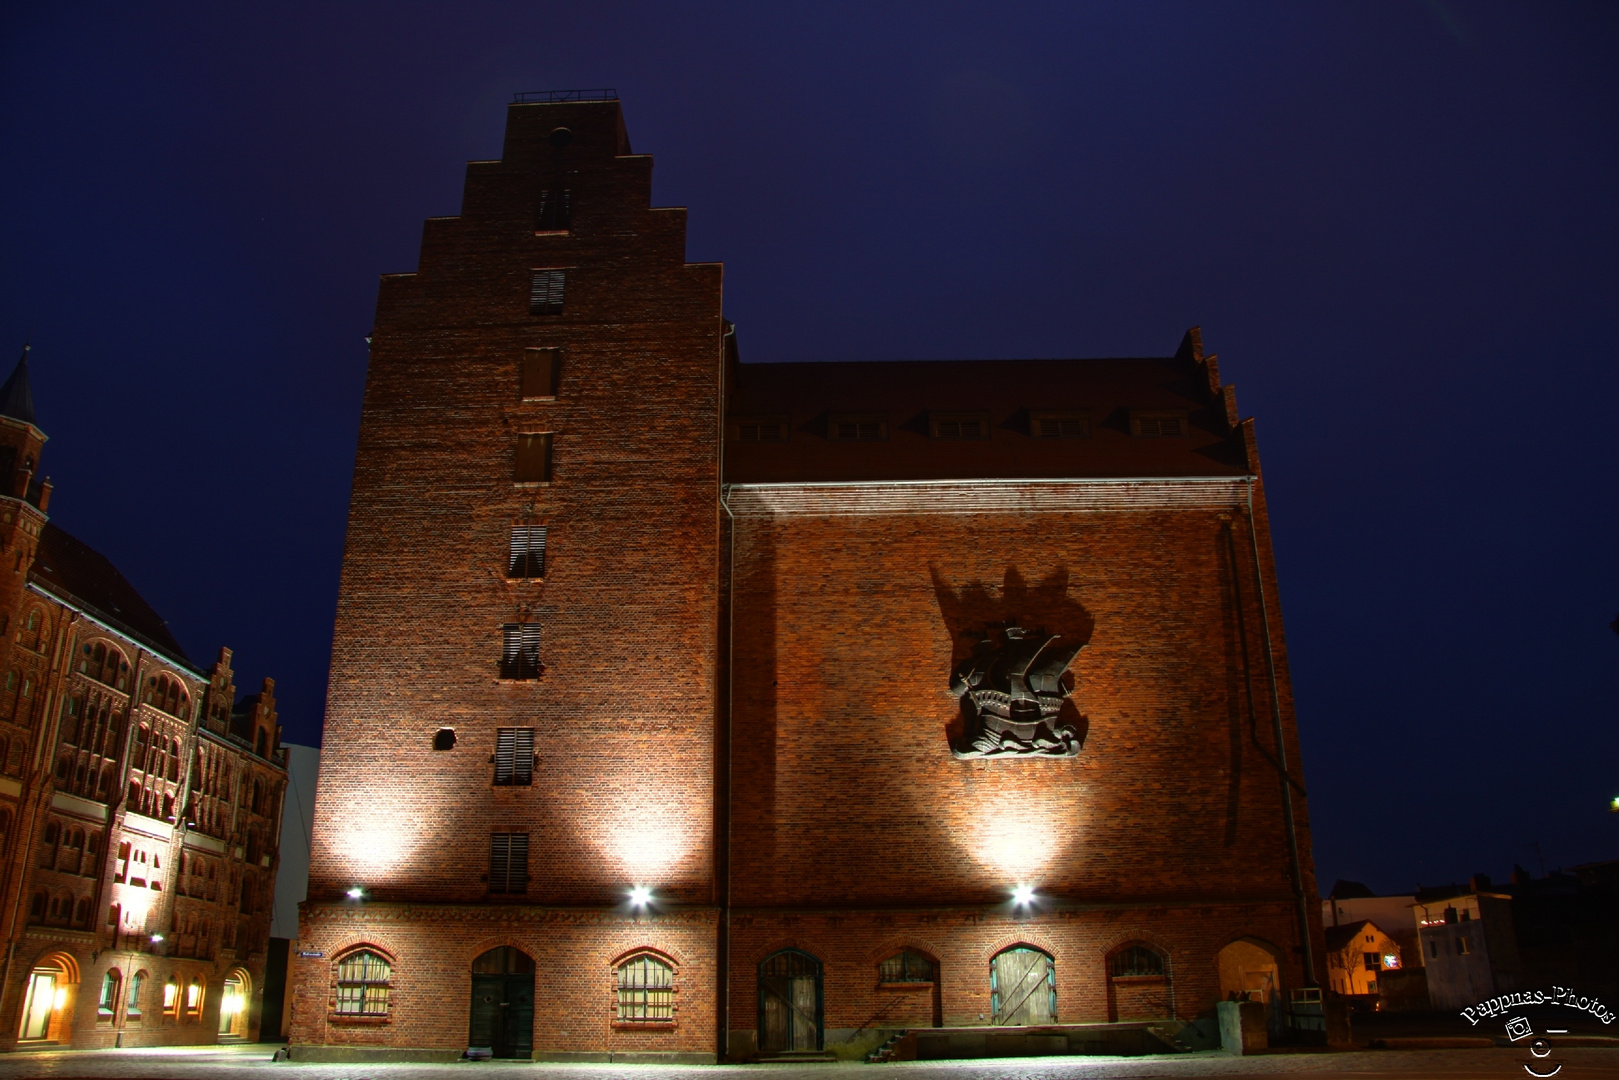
(789,1003)
(1024,984)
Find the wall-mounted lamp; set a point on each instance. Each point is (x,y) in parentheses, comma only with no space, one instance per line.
(1023,896)
(356,893)
(640,896)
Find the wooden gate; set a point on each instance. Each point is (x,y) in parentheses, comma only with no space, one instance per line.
(789,1002)
(502,1011)
(1023,987)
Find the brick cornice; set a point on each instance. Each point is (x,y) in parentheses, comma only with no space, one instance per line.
(987,496)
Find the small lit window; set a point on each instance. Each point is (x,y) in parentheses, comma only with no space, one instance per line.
(1158,425)
(1060,425)
(545,294)
(905,967)
(861,427)
(508,862)
(1463,946)
(520,651)
(541,368)
(514,756)
(646,989)
(556,210)
(959,425)
(132,1004)
(1134,961)
(109,994)
(527,554)
(171,995)
(362,985)
(533,461)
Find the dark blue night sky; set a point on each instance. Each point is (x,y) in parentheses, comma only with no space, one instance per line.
(1398,224)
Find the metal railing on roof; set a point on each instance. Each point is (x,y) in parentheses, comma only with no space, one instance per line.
(530,97)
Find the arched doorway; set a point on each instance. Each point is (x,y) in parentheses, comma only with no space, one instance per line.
(1248,972)
(789,1002)
(502,1016)
(48,1004)
(233,1005)
(1023,987)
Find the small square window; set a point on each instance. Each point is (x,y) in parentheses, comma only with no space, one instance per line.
(540,373)
(1060,425)
(527,556)
(1158,425)
(444,739)
(858,427)
(556,210)
(545,293)
(533,462)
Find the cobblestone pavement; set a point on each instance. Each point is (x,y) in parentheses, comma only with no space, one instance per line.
(253,1063)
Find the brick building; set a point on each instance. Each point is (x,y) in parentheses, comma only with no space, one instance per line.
(684,708)
(139,801)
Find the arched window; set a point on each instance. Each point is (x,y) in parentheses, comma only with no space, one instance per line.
(165,692)
(646,989)
(362,984)
(1023,987)
(171,995)
(907,966)
(132,1004)
(109,994)
(36,910)
(81,913)
(258,796)
(1134,961)
(105,664)
(174,760)
(194,997)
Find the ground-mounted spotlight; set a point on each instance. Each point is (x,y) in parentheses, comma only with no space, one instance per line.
(356,893)
(157,939)
(640,896)
(1023,896)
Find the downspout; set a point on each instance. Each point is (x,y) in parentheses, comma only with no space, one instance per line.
(1288,783)
(730,742)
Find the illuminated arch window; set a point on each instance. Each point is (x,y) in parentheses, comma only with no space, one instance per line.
(109,994)
(362,984)
(646,989)
(132,1004)
(165,692)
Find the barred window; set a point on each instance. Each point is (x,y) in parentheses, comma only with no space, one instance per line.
(646,989)
(520,651)
(362,984)
(1136,960)
(527,552)
(905,967)
(514,756)
(556,210)
(508,862)
(545,294)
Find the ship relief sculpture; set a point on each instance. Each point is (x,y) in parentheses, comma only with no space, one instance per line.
(1013,693)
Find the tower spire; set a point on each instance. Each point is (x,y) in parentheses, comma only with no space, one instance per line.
(16,396)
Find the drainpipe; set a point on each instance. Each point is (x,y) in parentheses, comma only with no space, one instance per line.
(730,742)
(1295,865)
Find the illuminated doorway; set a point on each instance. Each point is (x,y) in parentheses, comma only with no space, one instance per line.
(789,1002)
(503,1003)
(1023,987)
(47,1005)
(1248,972)
(233,1005)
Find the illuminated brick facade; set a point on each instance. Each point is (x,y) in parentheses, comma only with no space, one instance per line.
(729,680)
(140,803)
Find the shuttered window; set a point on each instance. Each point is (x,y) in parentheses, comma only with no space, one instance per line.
(545,294)
(533,460)
(520,651)
(556,210)
(527,558)
(540,371)
(508,862)
(514,756)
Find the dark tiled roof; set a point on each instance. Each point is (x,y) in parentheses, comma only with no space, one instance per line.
(906,392)
(16,396)
(1339,936)
(1350,890)
(71,569)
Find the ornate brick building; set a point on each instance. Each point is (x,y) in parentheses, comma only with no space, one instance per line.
(139,802)
(685,708)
